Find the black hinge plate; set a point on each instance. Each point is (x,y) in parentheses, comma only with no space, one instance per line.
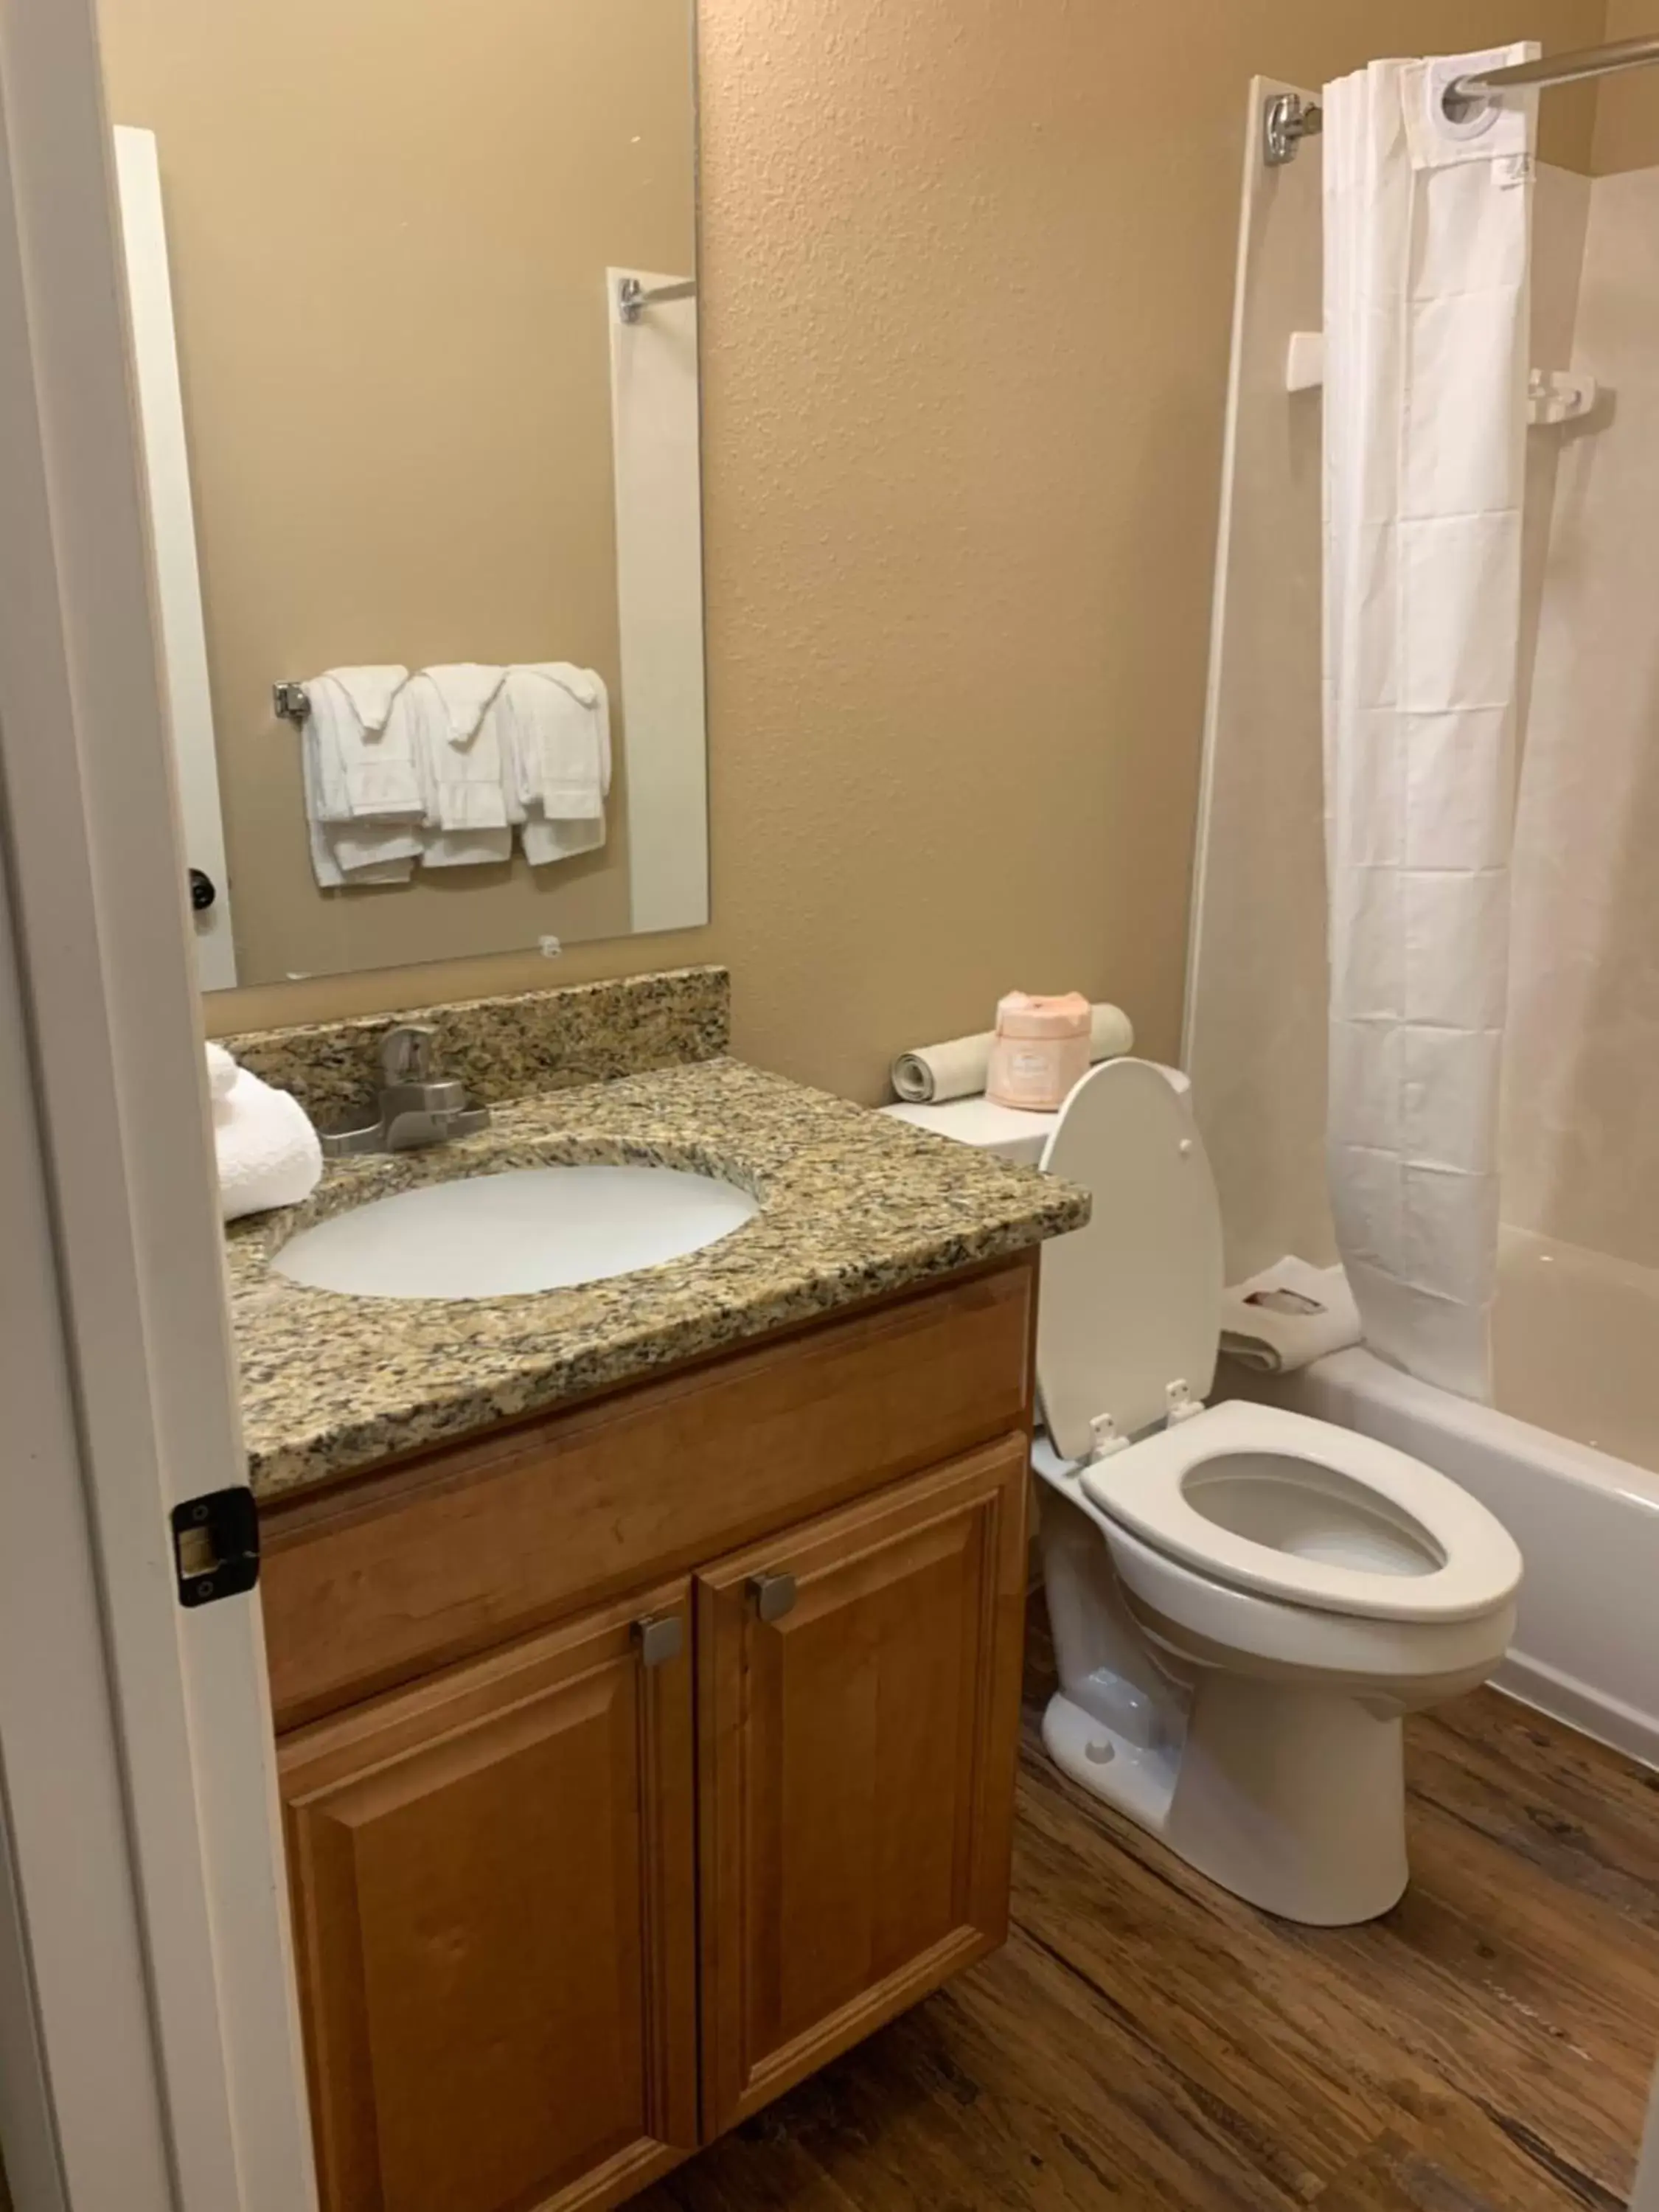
(215,1545)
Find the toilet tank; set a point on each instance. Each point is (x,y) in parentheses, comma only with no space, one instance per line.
(1010,1132)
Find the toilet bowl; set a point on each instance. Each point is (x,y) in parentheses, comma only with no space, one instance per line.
(1244,1602)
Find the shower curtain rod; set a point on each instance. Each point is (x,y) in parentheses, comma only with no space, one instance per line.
(1289,118)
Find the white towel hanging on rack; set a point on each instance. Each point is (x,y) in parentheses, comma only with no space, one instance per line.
(362,796)
(555,722)
(457,742)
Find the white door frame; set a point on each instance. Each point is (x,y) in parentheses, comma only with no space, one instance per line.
(145,1981)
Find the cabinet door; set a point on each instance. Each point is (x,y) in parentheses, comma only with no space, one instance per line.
(856,1732)
(494,1881)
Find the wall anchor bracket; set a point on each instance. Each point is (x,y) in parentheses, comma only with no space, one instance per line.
(1286,120)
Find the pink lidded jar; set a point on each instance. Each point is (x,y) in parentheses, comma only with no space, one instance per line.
(1040,1051)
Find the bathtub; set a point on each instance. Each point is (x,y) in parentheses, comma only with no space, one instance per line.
(1566,1459)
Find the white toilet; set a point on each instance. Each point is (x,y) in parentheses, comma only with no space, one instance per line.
(1244,1602)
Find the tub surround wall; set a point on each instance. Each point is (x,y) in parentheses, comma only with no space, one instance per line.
(1561,207)
(1582,1145)
(1255,1045)
(517,1045)
(966,306)
(1627,108)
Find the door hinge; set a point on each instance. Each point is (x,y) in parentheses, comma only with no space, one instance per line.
(215,1545)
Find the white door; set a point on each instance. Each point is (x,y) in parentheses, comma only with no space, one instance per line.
(148,2047)
(173,531)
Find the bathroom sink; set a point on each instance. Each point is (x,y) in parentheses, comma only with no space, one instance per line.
(526,1229)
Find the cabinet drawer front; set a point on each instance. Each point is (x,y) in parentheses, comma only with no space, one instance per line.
(494,1906)
(457,1552)
(858,1698)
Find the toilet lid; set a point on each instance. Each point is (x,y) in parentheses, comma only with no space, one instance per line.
(1132,1302)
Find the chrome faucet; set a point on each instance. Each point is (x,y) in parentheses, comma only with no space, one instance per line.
(415,1106)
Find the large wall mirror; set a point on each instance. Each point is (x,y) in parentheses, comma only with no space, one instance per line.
(416,334)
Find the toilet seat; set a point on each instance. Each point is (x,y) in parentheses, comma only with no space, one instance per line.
(1148,1490)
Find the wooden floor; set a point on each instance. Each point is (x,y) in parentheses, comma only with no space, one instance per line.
(1145,2040)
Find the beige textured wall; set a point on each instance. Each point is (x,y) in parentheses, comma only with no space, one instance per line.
(967,285)
(388,238)
(1627,109)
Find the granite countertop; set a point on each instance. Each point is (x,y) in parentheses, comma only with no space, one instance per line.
(853,1205)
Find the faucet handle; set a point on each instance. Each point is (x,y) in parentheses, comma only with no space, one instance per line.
(407,1054)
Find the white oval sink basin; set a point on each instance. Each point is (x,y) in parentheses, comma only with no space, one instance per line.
(527,1229)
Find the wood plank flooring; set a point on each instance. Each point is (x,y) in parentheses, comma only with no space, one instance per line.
(1145,2040)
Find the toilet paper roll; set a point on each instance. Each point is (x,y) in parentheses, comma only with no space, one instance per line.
(958,1069)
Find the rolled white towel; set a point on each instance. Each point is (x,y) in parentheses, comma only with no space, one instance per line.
(934,1072)
(222,1073)
(267,1150)
(1289,1316)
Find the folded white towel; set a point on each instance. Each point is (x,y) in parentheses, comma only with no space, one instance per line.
(365,765)
(371,690)
(556,729)
(362,791)
(1289,1316)
(390,860)
(344,853)
(456,740)
(934,1073)
(267,1150)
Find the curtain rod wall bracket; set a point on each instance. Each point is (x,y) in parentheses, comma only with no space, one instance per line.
(1286,120)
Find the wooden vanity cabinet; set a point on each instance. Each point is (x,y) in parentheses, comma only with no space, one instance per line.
(493,1885)
(569,1904)
(855,1754)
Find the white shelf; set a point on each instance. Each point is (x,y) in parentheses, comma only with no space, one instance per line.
(1554,395)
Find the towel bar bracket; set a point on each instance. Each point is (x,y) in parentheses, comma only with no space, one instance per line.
(289,702)
(633,299)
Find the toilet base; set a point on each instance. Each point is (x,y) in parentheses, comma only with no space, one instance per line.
(1292,1797)
(1137,1780)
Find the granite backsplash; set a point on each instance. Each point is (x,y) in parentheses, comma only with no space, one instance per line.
(520,1045)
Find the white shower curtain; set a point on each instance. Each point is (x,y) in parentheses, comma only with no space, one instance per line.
(1427,233)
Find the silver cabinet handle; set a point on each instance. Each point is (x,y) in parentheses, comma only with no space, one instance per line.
(774,1594)
(660,1640)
